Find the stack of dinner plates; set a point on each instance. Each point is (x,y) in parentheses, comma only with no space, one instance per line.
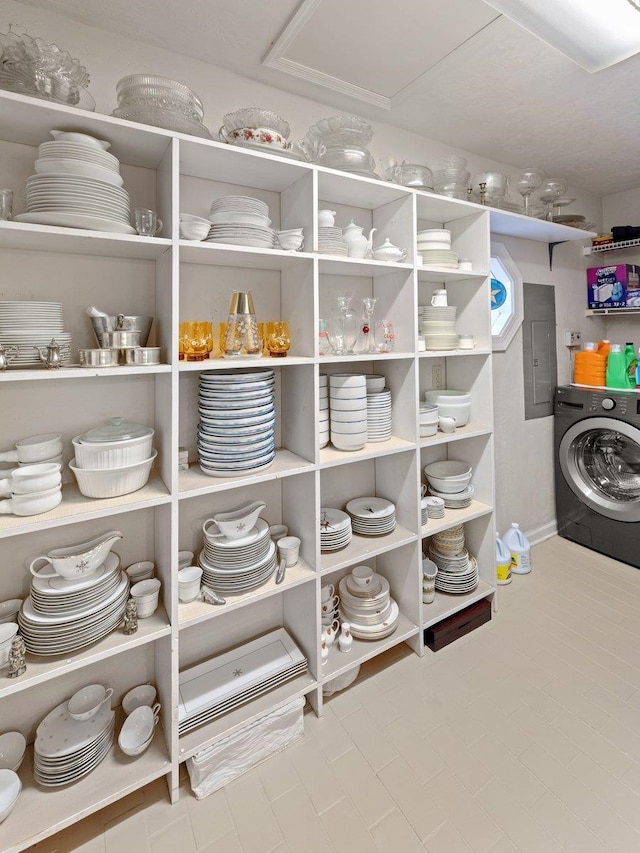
(335,529)
(27,325)
(242,221)
(60,616)
(236,432)
(330,241)
(379,415)
(222,683)
(438,325)
(372,516)
(370,611)
(457,573)
(66,749)
(77,184)
(234,566)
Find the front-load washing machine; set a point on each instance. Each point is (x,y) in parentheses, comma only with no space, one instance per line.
(597,470)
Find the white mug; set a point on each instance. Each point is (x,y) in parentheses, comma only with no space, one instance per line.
(447,424)
(439,298)
(326,591)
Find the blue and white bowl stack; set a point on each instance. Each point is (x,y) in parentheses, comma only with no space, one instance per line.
(236,431)
(348,409)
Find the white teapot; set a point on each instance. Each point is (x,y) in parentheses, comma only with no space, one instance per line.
(358,246)
(388,252)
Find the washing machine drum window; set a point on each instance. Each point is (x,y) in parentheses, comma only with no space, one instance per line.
(602,466)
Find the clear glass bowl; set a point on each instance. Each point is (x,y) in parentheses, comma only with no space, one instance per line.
(342,130)
(146,103)
(256,117)
(142,85)
(166,120)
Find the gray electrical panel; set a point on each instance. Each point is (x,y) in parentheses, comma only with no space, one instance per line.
(539,350)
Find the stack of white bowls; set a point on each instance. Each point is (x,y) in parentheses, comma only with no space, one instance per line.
(428,420)
(434,248)
(450,176)
(451,404)
(113,459)
(323,420)
(450,480)
(348,407)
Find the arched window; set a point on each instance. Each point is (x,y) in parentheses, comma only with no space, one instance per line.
(506,297)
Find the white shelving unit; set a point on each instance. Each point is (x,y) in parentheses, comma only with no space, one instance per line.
(175,280)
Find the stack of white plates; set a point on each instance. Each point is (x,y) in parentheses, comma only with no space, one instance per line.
(236,433)
(65,616)
(424,511)
(226,681)
(435,507)
(31,324)
(454,500)
(379,415)
(330,241)
(335,529)
(438,325)
(439,258)
(457,573)
(67,749)
(323,420)
(348,406)
(78,192)
(234,566)
(372,516)
(434,246)
(371,612)
(241,221)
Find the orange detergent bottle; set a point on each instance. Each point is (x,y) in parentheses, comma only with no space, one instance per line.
(604,347)
(590,366)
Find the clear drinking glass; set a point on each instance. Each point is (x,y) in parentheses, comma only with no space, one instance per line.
(343,327)
(385,337)
(147,222)
(524,183)
(6,204)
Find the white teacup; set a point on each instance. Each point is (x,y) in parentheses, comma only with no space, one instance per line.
(189,583)
(362,576)
(439,298)
(87,701)
(326,591)
(330,605)
(289,549)
(277,531)
(447,424)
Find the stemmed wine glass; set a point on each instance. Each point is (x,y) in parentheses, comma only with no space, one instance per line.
(550,192)
(524,183)
(366,336)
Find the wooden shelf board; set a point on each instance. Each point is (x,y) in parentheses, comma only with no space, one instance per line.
(80,241)
(199,611)
(75,507)
(454,516)
(446,604)
(330,456)
(363,650)
(193,482)
(365,547)
(470,430)
(42,812)
(40,669)
(243,364)
(38,374)
(243,257)
(223,726)
(448,276)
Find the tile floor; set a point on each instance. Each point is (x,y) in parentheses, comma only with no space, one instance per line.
(523,736)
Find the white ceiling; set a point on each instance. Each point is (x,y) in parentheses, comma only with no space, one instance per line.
(452,70)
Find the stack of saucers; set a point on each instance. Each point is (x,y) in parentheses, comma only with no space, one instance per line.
(455,500)
(366,604)
(77,184)
(457,568)
(379,415)
(242,221)
(330,241)
(67,748)
(323,420)
(236,433)
(335,529)
(32,324)
(234,566)
(372,516)
(348,406)
(424,510)
(435,507)
(438,325)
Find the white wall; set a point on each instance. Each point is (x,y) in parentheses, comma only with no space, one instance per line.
(523,450)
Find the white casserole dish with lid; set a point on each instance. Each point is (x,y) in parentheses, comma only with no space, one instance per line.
(113,445)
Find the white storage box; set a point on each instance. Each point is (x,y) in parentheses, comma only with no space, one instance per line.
(234,755)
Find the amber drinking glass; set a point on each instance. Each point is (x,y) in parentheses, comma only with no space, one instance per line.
(195,340)
(278,338)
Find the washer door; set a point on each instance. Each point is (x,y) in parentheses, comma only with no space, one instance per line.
(600,460)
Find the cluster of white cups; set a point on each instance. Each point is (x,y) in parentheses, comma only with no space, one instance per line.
(137,730)
(35,486)
(146,595)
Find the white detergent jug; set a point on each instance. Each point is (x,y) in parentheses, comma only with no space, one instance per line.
(520,550)
(503,562)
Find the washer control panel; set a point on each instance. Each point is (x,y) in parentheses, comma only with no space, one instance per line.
(608,403)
